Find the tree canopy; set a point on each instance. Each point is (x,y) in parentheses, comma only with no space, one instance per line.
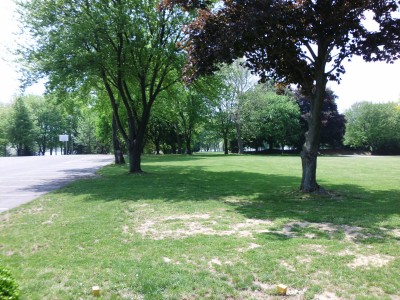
(21,128)
(269,117)
(128,46)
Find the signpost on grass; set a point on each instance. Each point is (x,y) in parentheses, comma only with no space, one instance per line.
(64,138)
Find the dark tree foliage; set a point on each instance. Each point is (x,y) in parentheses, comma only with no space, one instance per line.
(301,42)
(158,131)
(333,123)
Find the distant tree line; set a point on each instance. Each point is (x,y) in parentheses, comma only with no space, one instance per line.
(209,116)
(374,127)
(258,118)
(31,125)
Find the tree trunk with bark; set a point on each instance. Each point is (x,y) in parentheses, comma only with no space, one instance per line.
(137,139)
(118,153)
(239,138)
(226,150)
(135,158)
(158,147)
(310,150)
(188,144)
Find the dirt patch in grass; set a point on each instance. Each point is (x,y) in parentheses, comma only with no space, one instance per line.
(269,291)
(313,230)
(125,229)
(287,266)
(168,260)
(128,294)
(251,246)
(304,259)
(376,261)
(327,296)
(31,211)
(368,261)
(189,217)
(50,220)
(183,226)
(5,217)
(396,233)
(314,248)
(38,247)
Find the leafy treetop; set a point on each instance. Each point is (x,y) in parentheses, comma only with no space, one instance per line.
(289,40)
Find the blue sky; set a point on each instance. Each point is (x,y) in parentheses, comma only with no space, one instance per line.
(375,82)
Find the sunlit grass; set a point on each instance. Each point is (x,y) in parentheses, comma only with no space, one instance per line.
(212,227)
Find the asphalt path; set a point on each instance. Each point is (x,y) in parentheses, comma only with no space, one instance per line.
(23,179)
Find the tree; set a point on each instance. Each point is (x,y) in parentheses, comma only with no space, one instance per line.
(269,117)
(375,127)
(191,109)
(157,129)
(333,123)
(86,138)
(223,105)
(106,129)
(4,112)
(239,79)
(127,45)
(224,122)
(163,131)
(21,128)
(187,108)
(300,42)
(48,121)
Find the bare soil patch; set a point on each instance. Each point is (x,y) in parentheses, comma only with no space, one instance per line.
(376,261)
(327,296)
(351,233)
(183,226)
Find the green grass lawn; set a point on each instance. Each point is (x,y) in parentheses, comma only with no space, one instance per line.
(212,227)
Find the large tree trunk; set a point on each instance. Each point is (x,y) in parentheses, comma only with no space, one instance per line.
(188,144)
(135,158)
(226,150)
(118,153)
(158,146)
(136,142)
(179,140)
(309,153)
(239,138)
(309,164)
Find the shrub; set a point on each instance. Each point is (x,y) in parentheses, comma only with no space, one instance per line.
(8,286)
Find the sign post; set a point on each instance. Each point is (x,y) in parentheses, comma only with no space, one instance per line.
(64,138)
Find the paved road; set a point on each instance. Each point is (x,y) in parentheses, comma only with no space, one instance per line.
(23,179)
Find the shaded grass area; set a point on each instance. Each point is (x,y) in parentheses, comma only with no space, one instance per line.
(212,227)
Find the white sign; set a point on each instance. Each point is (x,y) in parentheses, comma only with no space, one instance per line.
(64,138)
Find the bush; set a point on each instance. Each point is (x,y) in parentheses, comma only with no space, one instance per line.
(8,286)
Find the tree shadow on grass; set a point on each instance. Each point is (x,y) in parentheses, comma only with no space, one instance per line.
(254,195)
(64,178)
(175,157)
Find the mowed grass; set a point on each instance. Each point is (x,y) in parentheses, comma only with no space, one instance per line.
(212,227)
